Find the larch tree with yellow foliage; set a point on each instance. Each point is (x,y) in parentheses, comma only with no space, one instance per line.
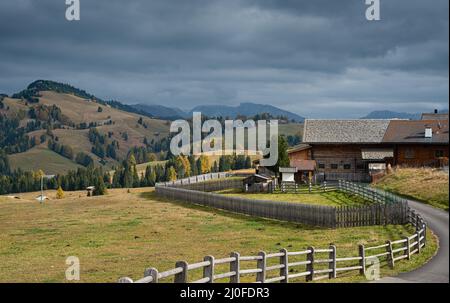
(59,193)
(203,164)
(172,174)
(183,166)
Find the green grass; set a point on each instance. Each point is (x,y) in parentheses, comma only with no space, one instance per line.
(121,234)
(317,197)
(41,157)
(422,184)
(143,166)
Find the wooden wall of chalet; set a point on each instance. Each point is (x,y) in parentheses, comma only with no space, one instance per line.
(300,155)
(340,155)
(419,154)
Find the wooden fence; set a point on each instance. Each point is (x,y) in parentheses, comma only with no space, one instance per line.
(213,185)
(370,193)
(311,264)
(354,177)
(315,215)
(374,213)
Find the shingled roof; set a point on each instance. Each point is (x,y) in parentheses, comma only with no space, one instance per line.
(414,132)
(433,116)
(344,131)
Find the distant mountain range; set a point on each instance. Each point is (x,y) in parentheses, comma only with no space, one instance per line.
(161,111)
(246,109)
(386,114)
(31,94)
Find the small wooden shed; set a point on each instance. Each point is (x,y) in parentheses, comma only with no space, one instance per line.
(288,174)
(258,183)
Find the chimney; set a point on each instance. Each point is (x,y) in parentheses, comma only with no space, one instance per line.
(428,131)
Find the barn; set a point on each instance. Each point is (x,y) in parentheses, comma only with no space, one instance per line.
(355,149)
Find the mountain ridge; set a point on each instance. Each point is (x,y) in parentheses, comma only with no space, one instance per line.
(387,114)
(245,108)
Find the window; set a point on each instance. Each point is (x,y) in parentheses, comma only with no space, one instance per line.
(409,153)
(347,166)
(439,153)
(334,166)
(322,165)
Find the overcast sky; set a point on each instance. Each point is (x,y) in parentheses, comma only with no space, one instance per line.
(313,57)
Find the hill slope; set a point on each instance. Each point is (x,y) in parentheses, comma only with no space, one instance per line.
(41,158)
(71,112)
(423,184)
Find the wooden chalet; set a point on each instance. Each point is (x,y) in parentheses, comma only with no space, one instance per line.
(355,149)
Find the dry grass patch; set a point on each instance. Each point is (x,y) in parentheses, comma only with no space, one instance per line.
(423,184)
(122,233)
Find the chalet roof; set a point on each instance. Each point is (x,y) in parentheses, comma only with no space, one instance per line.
(434,116)
(400,131)
(344,131)
(377,153)
(287,169)
(257,177)
(299,147)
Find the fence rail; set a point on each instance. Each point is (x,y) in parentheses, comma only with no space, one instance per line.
(369,193)
(315,264)
(197,190)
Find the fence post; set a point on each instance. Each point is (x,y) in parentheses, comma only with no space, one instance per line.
(284,260)
(261,264)
(310,266)
(152,272)
(208,271)
(181,277)
(408,249)
(424,234)
(235,266)
(362,261)
(418,242)
(390,255)
(332,264)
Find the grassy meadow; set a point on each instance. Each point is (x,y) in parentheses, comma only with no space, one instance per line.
(123,233)
(316,197)
(423,184)
(41,157)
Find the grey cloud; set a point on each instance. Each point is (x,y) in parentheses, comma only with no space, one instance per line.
(300,55)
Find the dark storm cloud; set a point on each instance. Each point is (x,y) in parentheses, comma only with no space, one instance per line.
(315,57)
